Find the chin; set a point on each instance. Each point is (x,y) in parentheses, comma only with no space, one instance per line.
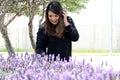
(54,23)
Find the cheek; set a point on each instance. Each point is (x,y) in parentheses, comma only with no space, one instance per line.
(49,18)
(53,18)
(57,18)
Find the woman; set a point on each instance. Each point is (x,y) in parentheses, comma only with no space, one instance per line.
(56,34)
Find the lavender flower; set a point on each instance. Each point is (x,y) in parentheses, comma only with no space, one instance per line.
(36,67)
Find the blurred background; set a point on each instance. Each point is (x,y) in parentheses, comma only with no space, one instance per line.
(98,25)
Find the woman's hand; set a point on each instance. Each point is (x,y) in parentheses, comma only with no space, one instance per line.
(65,18)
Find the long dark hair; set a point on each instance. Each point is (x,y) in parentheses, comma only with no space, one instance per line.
(54,30)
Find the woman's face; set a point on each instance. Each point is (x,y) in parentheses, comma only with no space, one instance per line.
(53,18)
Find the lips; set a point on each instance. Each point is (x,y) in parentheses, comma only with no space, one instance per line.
(54,22)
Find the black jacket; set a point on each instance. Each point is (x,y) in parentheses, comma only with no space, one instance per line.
(53,45)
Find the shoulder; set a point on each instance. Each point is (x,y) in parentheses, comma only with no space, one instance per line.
(41,28)
(70,20)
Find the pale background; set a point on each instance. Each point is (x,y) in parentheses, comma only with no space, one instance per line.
(93,23)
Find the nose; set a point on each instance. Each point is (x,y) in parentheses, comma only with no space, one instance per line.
(53,19)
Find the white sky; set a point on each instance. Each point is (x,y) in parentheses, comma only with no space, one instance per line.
(98,12)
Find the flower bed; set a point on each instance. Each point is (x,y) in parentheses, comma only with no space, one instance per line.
(35,67)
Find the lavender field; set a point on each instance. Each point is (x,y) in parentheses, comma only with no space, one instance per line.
(107,61)
(34,67)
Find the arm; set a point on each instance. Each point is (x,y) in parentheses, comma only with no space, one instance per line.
(70,27)
(71,30)
(41,41)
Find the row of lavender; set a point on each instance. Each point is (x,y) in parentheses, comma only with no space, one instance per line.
(35,67)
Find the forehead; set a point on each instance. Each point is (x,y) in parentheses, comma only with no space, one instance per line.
(51,13)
